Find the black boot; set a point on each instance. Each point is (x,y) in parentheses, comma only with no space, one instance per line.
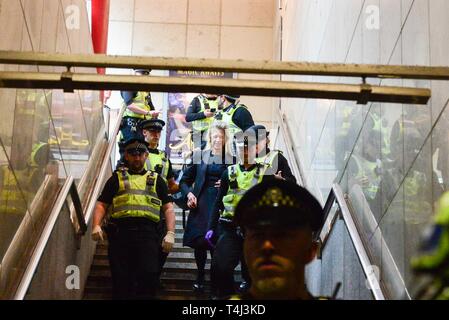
(244,286)
(198,286)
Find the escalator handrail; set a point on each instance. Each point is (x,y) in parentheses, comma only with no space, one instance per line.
(103,169)
(336,195)
(296,165)
(69,188)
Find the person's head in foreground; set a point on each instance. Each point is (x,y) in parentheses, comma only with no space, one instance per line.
(280,220)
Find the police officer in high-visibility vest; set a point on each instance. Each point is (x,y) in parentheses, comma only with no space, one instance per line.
(158,161)
(235,181)
(134,198)
(274,159)
(281,222)
(139,106)
(201,114)
(235,115)
(433,258)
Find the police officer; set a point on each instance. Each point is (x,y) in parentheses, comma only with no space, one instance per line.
(201,114)
(157,161)
(434,257)
(134,197)
(138,106)
(280,221)
(235,181)
(274,159)
(234,114)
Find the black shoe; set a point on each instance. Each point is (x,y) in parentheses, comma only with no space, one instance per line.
(198,287)
(244,286)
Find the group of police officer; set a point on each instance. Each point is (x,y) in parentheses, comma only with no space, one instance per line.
(261,216)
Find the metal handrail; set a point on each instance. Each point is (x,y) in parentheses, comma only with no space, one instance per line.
(103,170)
(296,165)
(336,195)
(69,188)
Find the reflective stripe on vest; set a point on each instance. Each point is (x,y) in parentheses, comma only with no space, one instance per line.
(34,151)
(137,196)
(245,180)
(160,159)
(140,101)
(204,124)
(367,169)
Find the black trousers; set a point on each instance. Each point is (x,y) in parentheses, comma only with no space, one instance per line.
(133,258)
(227,255)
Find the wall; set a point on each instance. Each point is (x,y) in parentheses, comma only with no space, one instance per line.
(64,125)
(225,29)
(391,159)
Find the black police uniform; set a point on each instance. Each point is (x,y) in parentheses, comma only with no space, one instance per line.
(229,252)
(279,161)
(134,245)
(157,124)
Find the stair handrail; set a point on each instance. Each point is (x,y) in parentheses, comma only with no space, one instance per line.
(69,188)
(83,217)
(295,162)
(336,195)
(103,169)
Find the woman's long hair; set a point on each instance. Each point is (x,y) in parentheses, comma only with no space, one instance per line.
(223,126)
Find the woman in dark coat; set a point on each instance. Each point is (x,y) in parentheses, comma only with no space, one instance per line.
(200,183)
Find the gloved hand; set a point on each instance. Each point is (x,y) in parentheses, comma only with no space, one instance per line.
(97,233)
(168,242)
(208,237)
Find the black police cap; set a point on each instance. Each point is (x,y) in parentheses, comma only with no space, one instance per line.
(245,138)
(232,97)
(259,131)
(135,145)
(152,124)
(278,203)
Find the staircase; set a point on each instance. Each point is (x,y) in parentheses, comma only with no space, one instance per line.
(178,275)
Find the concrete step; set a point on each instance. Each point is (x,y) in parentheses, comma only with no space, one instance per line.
(173,257)
(102,250)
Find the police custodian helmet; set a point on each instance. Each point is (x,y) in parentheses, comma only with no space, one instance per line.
(232,97)
(276,203)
